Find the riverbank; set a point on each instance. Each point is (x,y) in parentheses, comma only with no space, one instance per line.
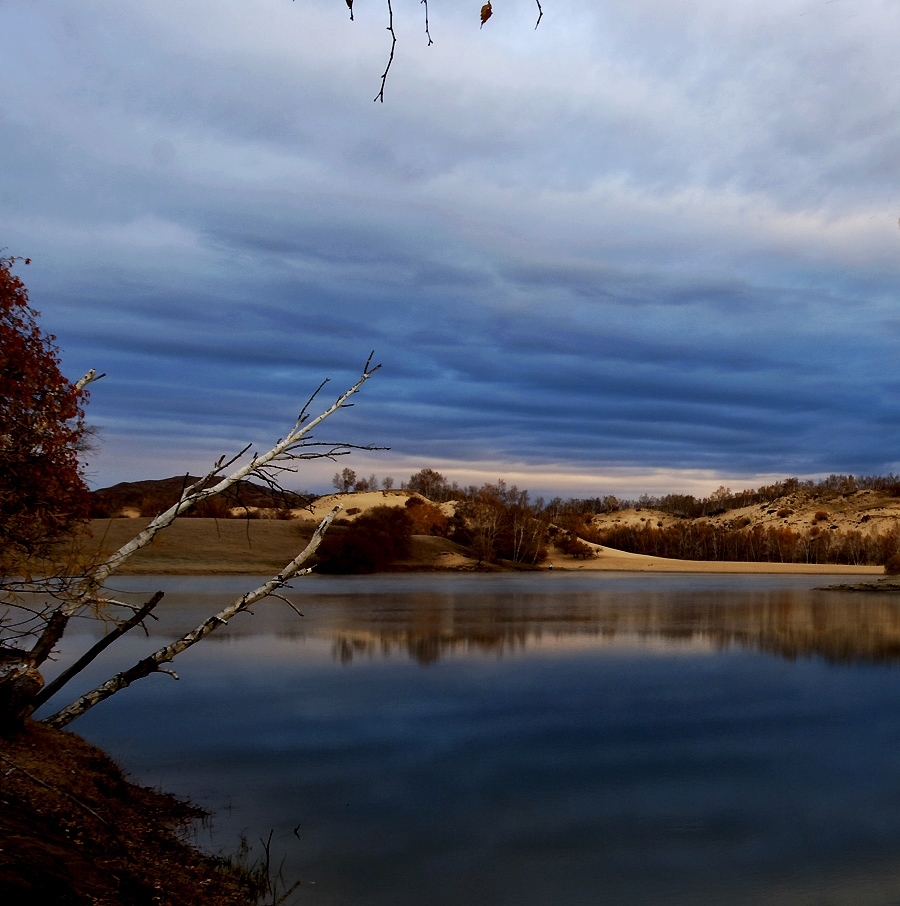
(73,830)
(264,546)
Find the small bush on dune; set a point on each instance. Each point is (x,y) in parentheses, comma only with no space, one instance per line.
(573,546)
(427,518)
(374,540)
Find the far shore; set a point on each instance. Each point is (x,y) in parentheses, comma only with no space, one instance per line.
(262,546)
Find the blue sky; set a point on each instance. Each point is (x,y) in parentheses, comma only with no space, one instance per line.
(649,246)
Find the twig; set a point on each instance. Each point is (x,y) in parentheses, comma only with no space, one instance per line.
(390,28)
(427,32)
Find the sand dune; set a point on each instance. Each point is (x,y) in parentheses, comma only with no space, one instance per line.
(264,545)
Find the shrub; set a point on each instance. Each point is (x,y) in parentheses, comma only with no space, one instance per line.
(892,565)
(574,546)
(427,518)
(375,540)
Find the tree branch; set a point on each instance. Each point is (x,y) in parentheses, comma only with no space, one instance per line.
(53,687)
(153,663)
(390,28)
(284,450)
(89,378)
(427,32)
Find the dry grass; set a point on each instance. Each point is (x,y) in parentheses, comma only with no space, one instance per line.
(204,545)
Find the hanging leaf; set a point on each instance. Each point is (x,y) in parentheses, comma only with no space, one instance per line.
(486,13)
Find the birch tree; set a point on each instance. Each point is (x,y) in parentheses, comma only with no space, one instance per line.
(38,627)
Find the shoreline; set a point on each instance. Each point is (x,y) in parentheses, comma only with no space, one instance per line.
(199,546)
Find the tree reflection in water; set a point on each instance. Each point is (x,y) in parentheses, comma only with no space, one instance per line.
(841,628)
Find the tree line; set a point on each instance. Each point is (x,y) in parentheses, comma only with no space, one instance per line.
(699,540)
(494,522)
(497,522)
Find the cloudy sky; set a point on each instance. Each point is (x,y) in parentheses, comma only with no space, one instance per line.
(652,245)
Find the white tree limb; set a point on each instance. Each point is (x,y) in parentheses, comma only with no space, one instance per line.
(86,592)
(153,663)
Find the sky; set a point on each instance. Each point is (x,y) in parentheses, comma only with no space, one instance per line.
(650,246)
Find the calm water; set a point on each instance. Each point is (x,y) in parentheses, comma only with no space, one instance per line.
(534,739)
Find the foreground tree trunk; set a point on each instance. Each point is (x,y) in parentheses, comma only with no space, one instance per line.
(20,683)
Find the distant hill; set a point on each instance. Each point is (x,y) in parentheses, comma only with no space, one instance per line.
(812,525)
(147,498)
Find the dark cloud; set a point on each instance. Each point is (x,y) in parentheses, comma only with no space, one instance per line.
(649,237)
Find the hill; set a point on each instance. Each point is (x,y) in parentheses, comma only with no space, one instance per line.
(147,498)
(869,511)
(791,525)
(817,525)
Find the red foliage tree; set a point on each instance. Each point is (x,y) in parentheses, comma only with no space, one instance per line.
(42,431)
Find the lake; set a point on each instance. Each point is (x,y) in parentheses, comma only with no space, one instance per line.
(531,738)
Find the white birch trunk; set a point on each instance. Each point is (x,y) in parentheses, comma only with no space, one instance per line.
(153,662)
(86,591)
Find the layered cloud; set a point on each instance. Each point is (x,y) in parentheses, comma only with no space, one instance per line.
(647,241)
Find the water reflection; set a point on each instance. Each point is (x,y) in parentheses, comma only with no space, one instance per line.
(633,744)
(427,618)
(840,628)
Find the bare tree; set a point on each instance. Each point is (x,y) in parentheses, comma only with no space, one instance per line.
(343,481)
(36,612)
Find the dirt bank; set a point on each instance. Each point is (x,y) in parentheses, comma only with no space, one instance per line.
(74,831)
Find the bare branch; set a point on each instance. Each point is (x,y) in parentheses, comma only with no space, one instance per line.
(427,32)
(288,602)
(540,14)
(53,687)
(285,450)
(390,28)
(52,633)
(89,378)
(152,663)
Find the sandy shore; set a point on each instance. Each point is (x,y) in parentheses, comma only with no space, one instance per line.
(610,560)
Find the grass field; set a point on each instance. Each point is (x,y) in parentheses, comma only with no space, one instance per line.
(204,545)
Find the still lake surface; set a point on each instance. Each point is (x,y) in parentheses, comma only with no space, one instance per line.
(531,738)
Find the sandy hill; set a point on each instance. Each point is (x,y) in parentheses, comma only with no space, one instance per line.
(356,503)
(865,511)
